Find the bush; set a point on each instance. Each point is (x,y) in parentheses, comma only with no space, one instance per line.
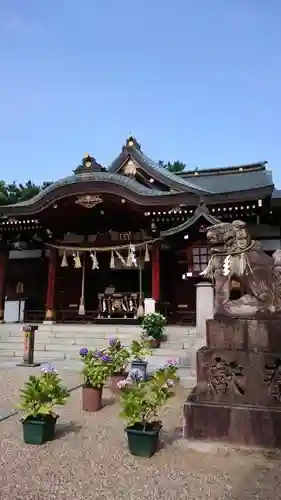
(120,356)
(42,393)
(96,369)
(153,325)
(141,400)
(140,349)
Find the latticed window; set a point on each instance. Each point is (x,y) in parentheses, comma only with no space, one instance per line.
(200,257)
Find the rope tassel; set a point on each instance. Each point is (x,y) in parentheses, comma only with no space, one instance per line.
(77,261)
(120,257)
(146,256)
(112,261)
(129,262)
(81,310)
(64,261)
(95,264)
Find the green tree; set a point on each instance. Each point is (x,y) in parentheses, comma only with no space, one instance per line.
(176,166)
(14,193)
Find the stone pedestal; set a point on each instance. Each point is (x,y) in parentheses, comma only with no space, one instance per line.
(204,306)
(237,398)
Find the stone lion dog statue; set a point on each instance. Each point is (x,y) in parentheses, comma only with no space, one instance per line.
(235,256)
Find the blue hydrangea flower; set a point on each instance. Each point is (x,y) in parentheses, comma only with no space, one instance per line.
(135,375)
(97,354)
(83,351)
(48,368)
(106,358)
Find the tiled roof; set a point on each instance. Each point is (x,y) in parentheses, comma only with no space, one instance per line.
(232,179)
(276,193)
(202,182)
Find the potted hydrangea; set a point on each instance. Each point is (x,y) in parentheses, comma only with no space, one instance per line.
(39,396)
(96,369)
(120,357)
(153,325)
(139,351)
(140,402)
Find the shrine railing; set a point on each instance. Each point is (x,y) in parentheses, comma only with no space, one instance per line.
(34,316)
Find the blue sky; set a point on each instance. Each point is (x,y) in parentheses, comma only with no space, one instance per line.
(194,80)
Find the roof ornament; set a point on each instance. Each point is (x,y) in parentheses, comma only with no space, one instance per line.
(89,164)
(89,200)
(130,169)
(132,142)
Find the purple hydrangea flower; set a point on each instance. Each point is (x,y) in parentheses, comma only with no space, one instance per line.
(171,363)
(98,354)
(48,368)
(114,342)
(106,358)
(83,351)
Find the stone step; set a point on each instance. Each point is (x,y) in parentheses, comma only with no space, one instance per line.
(111,330)
(38,355)
(72,331)
(171,343)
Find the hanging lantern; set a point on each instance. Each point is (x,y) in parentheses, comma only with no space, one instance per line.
(146,256)
(112,261)
(95,264)
(64,260)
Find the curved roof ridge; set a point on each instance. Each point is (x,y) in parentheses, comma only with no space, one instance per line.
(110,177)
(171,175)
(201,211)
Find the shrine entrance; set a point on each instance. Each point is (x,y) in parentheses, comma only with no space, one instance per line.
(97,283)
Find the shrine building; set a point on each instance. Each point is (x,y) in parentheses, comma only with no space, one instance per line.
(107,244)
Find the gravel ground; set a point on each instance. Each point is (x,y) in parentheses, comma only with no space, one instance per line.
(11,380)
(89,460)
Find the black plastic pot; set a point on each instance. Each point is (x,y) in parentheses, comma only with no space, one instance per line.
(141,366)
(143,443)
(38,431)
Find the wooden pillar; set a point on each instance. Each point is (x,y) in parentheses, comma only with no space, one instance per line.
(50,299)
(3,269)
(155,259)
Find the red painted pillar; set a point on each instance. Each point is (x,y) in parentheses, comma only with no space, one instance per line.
(50,299)
(155,259)
(3,268)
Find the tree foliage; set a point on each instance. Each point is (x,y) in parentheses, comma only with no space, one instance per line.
(175,166)
(14,193)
